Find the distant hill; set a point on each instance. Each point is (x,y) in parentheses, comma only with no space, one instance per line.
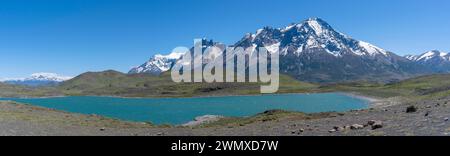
(114,83)
(10,90)
(430,85)
(423,87)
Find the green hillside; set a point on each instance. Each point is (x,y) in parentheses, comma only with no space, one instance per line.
(7,90)
(113,83)
(431,86)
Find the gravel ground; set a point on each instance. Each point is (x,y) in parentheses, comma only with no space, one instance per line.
(390,118)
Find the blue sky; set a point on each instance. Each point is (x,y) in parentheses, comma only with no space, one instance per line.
(70,37)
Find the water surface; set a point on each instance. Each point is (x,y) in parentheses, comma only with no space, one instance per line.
(182,110)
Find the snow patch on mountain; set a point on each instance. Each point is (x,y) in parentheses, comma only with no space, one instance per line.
(174,55)
(273,48)
(314,24)
(371,49)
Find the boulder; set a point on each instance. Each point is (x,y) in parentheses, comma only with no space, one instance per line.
(347,127)
(203,120)
(427,114)
(356,126)
(377,125)
(371,122)
(338,128)
(298,131)
(411,109)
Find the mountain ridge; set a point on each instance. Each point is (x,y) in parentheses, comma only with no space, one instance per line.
(314,51)
(436,60)
(37,79)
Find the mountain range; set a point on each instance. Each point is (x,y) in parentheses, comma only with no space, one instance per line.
(314,51)
(157,64)
(37,79)
(435,60)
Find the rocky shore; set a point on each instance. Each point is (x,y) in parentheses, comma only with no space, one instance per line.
(203,120)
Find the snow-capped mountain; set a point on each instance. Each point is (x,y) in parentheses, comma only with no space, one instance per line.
(37,79)
(437,60)
(313,33)
(157,64)
(430,56)
(162,63)
(313,51)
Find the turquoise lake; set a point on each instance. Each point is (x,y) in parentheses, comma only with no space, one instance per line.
(183,110)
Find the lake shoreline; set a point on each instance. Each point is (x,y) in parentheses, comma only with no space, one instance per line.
(247,106)
(15,120)
(352,94)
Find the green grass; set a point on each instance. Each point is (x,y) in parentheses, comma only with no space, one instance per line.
(7,90)
(272,115)
(12,111)
(419,88)
(113,83)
